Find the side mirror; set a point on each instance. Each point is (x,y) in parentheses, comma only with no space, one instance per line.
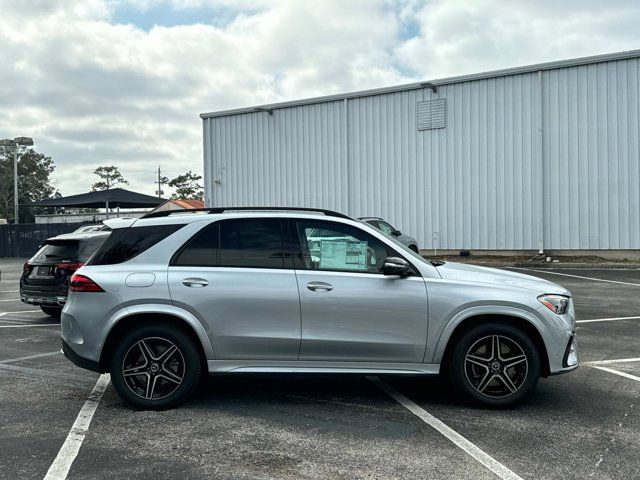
(395,266)
(396,233)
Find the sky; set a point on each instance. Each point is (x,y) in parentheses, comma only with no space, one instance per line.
(121,82)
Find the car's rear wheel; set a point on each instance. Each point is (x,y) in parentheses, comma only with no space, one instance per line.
(495,365)
(53,311)
(155,367)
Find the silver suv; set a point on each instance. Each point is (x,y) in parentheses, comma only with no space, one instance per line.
(174,295)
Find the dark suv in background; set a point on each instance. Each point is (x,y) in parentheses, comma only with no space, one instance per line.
(45,277)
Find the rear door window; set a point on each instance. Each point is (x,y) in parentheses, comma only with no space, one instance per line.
(126,243)
(252,242)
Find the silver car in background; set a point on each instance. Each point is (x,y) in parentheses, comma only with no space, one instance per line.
(172,296)
(386,228)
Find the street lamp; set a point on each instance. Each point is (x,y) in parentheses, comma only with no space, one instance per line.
(15,143)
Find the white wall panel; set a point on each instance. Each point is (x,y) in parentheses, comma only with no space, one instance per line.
(534,159)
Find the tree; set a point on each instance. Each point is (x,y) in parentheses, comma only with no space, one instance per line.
(187,186)
(110,177)
(34,182)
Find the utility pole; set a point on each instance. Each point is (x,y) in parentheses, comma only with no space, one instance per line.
(159,182)
(15,143)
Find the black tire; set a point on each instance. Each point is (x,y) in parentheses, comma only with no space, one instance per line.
(53,311)
(184,364)
(485,380)
(414,248)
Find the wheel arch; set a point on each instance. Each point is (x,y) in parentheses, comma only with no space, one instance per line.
(515,320)
(127,322)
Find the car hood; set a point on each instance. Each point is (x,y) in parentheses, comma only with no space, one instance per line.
(495,276)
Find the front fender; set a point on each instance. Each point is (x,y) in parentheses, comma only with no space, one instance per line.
(437,350)
(164,309)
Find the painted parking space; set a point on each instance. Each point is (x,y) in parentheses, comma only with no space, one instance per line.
(580,425)
(584,424)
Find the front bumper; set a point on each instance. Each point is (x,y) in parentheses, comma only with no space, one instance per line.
(570,359)
(81,362)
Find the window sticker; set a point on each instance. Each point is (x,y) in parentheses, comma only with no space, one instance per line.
(343,254)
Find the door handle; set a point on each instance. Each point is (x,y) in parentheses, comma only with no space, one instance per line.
(319,286)
(195,282)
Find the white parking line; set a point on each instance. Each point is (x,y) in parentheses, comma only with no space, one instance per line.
(9,291)
(31,326)
(576,276)
(616,372)
(612,319)
(618,360)
(59,469)
(485,459)
(29,357)
(11,300)
(2,314)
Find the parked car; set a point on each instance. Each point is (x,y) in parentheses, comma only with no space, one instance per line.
(45,277)
(92,228)
(386,228)
(172,296)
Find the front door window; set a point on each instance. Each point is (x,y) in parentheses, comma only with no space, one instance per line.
(338,247)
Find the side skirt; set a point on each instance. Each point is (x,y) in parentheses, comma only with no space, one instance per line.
(306,366)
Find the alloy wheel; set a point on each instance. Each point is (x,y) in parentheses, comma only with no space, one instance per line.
(153,368)
(496,366)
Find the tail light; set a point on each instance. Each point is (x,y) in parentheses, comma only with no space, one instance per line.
(82,283)
(70,267)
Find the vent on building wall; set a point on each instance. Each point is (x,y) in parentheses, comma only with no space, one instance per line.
(431,114)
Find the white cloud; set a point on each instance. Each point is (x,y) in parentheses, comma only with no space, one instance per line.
(93,92)
(459,36)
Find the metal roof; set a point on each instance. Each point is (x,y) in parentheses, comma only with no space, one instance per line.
(432,83)
(98,199)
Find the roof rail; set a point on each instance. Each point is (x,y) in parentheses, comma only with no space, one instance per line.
(218,210)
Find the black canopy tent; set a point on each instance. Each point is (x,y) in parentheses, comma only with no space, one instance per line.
(115,197)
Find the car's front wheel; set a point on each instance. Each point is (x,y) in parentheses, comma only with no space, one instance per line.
(495,365)
(155,367)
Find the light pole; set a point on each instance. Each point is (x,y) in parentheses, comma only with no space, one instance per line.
(15,143)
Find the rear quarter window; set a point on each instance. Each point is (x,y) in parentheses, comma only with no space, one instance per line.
(126,243)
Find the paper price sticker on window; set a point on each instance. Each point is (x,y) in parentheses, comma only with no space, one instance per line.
(343,255)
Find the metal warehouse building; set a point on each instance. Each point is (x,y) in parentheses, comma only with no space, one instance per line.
(538,157)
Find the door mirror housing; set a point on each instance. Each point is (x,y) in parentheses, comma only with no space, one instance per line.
(395,266)
(396,233)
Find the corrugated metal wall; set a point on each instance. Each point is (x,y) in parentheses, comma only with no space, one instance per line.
(550,156)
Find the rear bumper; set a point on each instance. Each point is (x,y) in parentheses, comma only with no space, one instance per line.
(45,301)
(81,362)
(43,296)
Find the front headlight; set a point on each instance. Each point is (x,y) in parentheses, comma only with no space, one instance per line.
(558,304)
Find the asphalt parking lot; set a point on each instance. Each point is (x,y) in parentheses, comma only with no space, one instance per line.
(581,425)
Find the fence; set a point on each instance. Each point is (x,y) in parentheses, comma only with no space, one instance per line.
(25,239)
